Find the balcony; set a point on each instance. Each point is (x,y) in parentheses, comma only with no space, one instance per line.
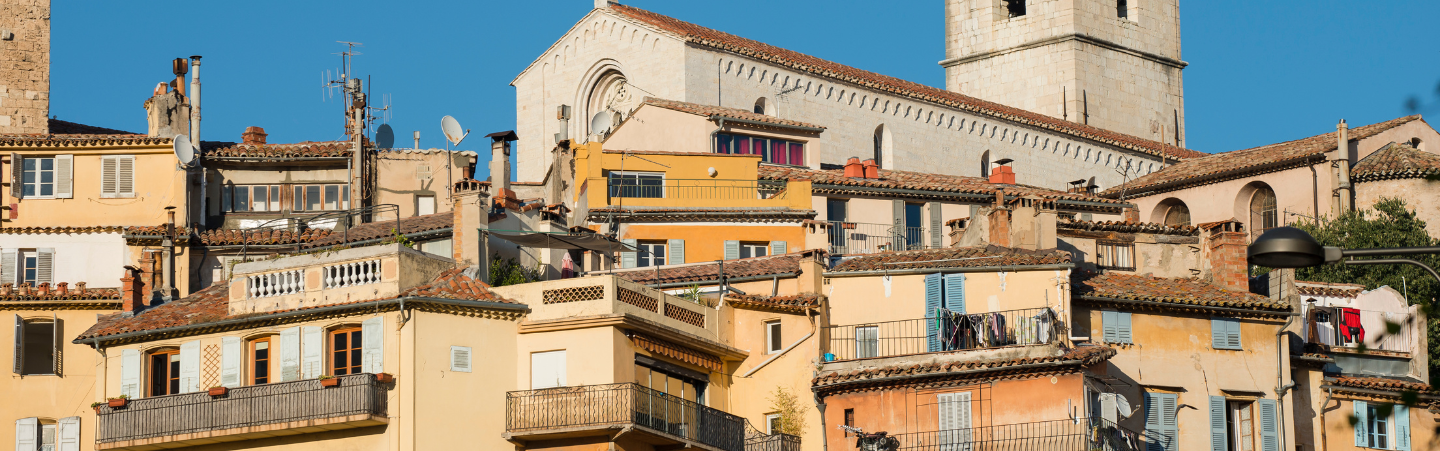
(862,238)
(1059,435)
(245,413)
(667,192)
(772,442)
(957,332)
(660,419)
(567,300)
(1373,335)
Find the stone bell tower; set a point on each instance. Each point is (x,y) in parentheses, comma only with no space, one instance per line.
(24,66)
(1112,64)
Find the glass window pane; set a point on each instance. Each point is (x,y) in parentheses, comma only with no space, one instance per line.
(778,155)
(29,176)
(742,144)
(47,177)
(225,198)
(312,198)
(30,163)
(242,198)
(297,202)
(47,190)
(332,197)
(47,164)
(262,198)
(723,143)
(797,154)
(345,197)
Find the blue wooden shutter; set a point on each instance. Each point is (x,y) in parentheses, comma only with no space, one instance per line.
(1402,428)
(1122,328)
(1170,425)
(955,292)
(1160,426)
(1109,323)
(933,294)
(1360,420)
(1218,331)
(1217,424)
(1269,425)
(676,251)
(1232,333)
(627,259)
(732,249)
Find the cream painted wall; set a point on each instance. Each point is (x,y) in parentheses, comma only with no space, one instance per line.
(753,397)
(862,300)
(51,397)
(98,259)
(1420,195)
(656,128)
(460,410)
(593,356)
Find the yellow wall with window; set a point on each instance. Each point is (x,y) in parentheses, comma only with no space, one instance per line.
(705,243)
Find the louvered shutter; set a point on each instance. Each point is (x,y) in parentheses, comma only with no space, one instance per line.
(57,343)
(937,237)
(897,235)
(954,420)
(627,259)
(1402,428)
(125,176)
(290,354)
(1217,424)
(64,176)
(1269,425)
(732,249)
(17,176)
(232,354)
(26,431)
(107,176)
(1154,423)
(69,434)
(1232,333)
(1122,328)
(1170,425)
(44,265)
(676,252)
(312,358)
(955,292)
(1360,422)
(372,342)
(1109,410)
(934,295)
(1110,324)
(460,359)
(190,367)
(8,269)
(130,366)
(777,247)
(19,355)
(1218,333)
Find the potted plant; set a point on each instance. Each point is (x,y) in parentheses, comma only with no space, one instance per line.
(96,405)
(218,391)
(385,378)
(328,381)
(118,401)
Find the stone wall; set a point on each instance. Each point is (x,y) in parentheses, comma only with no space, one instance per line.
(24,66)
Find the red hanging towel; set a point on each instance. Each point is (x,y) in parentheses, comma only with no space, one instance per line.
(1350,326)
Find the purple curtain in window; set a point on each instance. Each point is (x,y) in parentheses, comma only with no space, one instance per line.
(759,148)
(777,152)
(742,144)
(797,154)
(722,143)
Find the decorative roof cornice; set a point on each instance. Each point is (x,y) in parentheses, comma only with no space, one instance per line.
(60,230)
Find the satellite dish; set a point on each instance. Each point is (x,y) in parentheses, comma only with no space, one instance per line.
(601,123)
(385,136)
(183,150)
(452,130)
(1122,406)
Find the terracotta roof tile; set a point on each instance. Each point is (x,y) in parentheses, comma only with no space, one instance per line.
(233,237)
(1166,290)
(1127,227)
(383,229)
(1396,161)
(795,302)
(693,212)
(783,265)
(298,150)
(702,36)
(728,113)
(1082,355)
(1343,290)
(44,230)
(1380,383)
(918,181)
(84,140)
(1248,161)
(455,284)
(57,292)
(952,257)
(59,127)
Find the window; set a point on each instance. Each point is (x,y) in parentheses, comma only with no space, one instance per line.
(1244,425)
(1122,9)
(346,351)
(260,361)
(1225,333)
(652,253)
(547,369)
(760,106)
(646,185)
(29,268)
(867,342)
(879,144)
(835,210)
(1115,255)
(244,198)
(38,177)
(1381,426)
(165,372)
(1263,215)
(773,341)
(850,418)
(1377,429)
(117,176)
(1016,8)
(777,151)
(670,380)
(36,346)
(1241,424)
(942,293)
(32,266)
(424,205)
(1415,142)
(955,432)
(754,249)
(1176,213)
(35,434)
(914,227)
(1116,327)
(772,423)
(320,197)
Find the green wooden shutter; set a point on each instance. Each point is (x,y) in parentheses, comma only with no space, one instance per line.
(1217,424)
(1402,428)
(1269,425)
(955,292)
(1360,421)
(934,293)
(777,247)
(732,249)
(676,251)
(627,259)
(937,223)
(897,235)
(1109,323)
(1122,328)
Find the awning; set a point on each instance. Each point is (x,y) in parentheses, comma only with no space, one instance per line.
(541,240)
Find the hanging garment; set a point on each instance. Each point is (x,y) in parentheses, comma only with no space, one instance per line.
(1350,327)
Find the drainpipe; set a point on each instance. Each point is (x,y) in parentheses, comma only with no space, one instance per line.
(1324,441)
(195,131)
(1342,157)
(820,404)
(1280,386)
(168,272)
(717,131)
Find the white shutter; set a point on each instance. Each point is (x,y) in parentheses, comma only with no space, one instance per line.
(232,353)
(372,338)
(954,421)
(627,259)
(777,247)
(1108,410)
(190,367)
(676,251)
(69,433)
(17,176)
(312,357)
(460,359)
(732,249)
(45,265)
(25,434)
(937,237)
(547,369)
(8,271)
(64,176)
(57,343)
(107,176)
(19,344)
(130,365)
(290,354)
(125,176)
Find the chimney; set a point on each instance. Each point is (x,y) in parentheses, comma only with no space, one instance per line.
(853,168)
(472,214)
(1131,215)
(253,135)
(180,66)
(132,295)
(999,218)
(168,113)
(500,160)
(1344,192)
(1003,173)
(872,170)
(1225,243)
(62,289)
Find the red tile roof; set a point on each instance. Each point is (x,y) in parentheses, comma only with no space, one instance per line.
(1240,163)
(790,303)
(920,181)
(297,150)
(57,292)
(1127,227)
(1380,383)
(1396,161)
(1343,290)
(455,284)
(728,113)
(46,230)
(59,127)
(783,265)
(387,229)
(87,140)
(702,36)
(235,237)
(1169,290)
(952,257)
(1081,356)
(667,213)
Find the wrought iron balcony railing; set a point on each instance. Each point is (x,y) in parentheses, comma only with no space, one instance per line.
(773,442)
(1080,434)
(537,411)
(695,189)
(943,333)
(862,238)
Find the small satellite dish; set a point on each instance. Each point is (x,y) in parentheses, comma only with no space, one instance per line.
(183,150)
(452,130)
(1122,406)
(601,123)
(385,137)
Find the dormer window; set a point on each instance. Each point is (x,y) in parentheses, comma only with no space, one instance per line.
(777,151)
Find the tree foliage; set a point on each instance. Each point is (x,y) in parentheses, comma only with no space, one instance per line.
(508,272)
(791,411)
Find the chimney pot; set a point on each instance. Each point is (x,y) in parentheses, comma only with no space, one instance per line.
(853,168)
(872,170)
(1003,175)
(62,288)
(253,135)
(43,289)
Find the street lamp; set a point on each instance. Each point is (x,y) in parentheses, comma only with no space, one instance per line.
(1289,247)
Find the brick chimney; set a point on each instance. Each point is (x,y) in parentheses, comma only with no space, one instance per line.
(872,170)
(1003,173)
(1131,215)
(1225,242)
(253,135)
(132,292)
(1000,221)
(854,169)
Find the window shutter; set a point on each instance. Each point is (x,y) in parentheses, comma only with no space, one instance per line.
(1269,426)
(1154,423)
(25,434)
(1218,333)
(1110,324)
(460,359)
(19,345)
(190,367)
(777,247)
(937,237)
(934,293)
(64,176)
(232,353)
(372,337)
(1402,428)
(1122,328)
(69,432)
(1217,424)
(17,176)
(1109,408)
(627,259)
(107,176)
(8,273)
(57,342)
(1232,333)
(290,354)
(732,249)
(130,365)
(125,176)
(312,358)
(1360,420)
(955,292)
(897,235)
(44,265)
(676,249)
(1169,426)
(954,419)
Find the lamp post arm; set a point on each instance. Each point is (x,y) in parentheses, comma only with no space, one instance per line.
(1394,261)
(1423,250)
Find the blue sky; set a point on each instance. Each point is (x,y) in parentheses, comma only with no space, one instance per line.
(1260,71)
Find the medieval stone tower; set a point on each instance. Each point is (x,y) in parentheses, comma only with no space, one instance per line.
(24,66)
(1112,64)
